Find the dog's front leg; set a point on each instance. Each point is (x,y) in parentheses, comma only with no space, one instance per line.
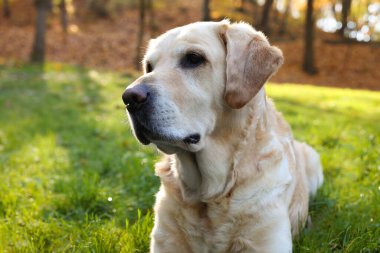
(270,232)
(168,234)
(167,237)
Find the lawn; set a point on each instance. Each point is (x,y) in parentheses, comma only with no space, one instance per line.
(73,179)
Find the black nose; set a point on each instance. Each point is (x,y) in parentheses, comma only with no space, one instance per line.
(136,96)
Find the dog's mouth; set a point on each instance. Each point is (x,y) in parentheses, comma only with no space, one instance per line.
(147,134)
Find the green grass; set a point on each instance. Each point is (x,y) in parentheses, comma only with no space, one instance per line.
(72,177)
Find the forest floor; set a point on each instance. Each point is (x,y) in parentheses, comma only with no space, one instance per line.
(110,44)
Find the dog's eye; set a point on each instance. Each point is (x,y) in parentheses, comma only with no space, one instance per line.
(192,60)
(148,67)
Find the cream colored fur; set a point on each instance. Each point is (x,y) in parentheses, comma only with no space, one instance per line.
(245,186)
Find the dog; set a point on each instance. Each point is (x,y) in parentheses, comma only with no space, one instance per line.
(233,179)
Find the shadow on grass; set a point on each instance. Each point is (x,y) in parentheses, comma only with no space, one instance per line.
(101,178)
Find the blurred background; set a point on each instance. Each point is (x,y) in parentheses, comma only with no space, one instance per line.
(325,42)
(74,179)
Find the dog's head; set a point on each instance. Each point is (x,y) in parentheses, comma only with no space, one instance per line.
(193,76)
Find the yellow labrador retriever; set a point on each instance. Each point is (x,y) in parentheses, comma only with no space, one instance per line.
(233,178)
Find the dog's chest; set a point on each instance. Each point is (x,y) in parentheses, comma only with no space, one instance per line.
(215,227)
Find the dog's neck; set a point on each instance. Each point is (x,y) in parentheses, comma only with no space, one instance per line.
(209,174)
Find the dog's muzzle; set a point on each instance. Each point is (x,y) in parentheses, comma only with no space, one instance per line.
(140,103)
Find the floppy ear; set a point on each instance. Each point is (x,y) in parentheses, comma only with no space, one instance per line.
(251,61)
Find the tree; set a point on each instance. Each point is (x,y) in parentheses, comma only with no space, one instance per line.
(333,10)
(255,7)
(240,5)
(152,22)
(264,24)
(206,10)
(140,35)
(38,53)
(284,21)
(6,9)
(99,8)
(63,14)
(346,6)
(308,63)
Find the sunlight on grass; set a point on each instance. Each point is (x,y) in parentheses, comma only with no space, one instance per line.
(73,178)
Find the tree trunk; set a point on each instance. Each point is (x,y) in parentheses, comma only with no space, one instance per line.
(38,53)
(6,9)
(333,5)
(240,6)
(264,26)
(284,21)
(152,20)
(255,13)
(99,8)
(140,35)
(308,63)
(206,10)
(346,6)
(63,14)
